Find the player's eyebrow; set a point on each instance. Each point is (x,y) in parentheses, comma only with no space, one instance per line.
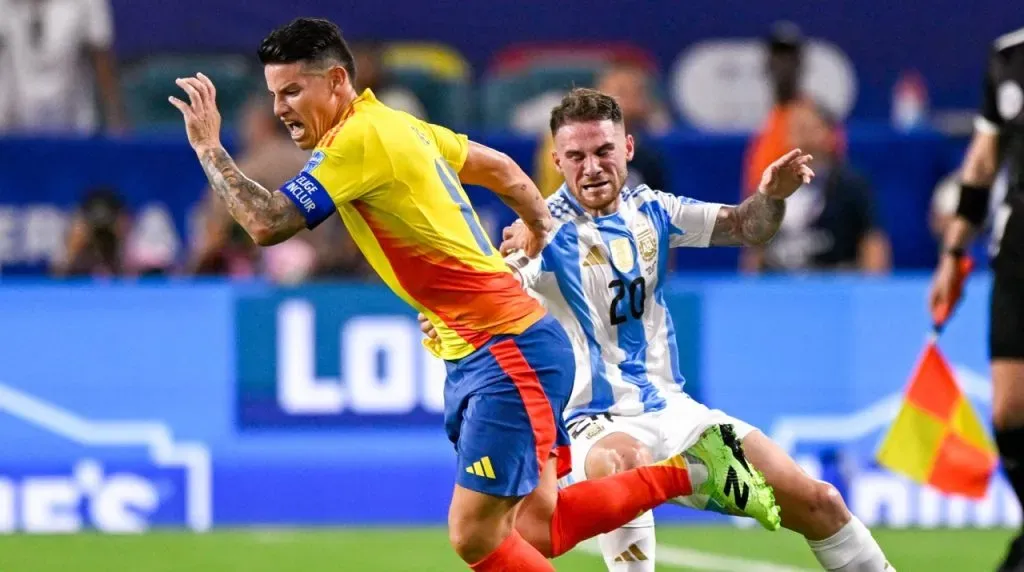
(286,87)
(606,147)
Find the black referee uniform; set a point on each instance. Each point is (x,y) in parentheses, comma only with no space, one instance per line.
(1002,115)
(1002,112)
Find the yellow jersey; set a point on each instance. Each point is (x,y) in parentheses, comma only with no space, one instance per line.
(393,180)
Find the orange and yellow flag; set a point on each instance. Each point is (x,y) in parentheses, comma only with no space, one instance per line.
(937,438)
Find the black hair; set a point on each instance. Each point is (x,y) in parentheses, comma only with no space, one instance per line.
(311,40)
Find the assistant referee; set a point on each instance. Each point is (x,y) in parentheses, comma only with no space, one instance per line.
(998,136)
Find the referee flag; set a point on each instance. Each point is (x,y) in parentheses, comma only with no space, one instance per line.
(937,438)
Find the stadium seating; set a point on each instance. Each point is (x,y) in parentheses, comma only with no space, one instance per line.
(438,75)
(148,81)
(522,72)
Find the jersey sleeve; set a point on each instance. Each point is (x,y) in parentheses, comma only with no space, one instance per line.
(336,174)
(528,269)
(690,222)
(454,147)
(989,120)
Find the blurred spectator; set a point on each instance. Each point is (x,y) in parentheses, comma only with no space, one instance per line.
(54,55)
(643,117)
(372,74)
(632,87)
(270,158)
(151,248)
(830,224)
(533,116)
(784,66)
(95,240)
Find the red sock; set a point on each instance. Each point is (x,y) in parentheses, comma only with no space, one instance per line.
(589,508)
(514,555)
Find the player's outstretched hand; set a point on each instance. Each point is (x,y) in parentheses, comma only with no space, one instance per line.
(202,119)
(783,177)
(426,327)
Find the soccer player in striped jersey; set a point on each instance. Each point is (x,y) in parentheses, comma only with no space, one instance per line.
(601,274)
(396,183)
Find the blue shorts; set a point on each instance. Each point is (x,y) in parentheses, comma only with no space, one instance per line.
(503,407)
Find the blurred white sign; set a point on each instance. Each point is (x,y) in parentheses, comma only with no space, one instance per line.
(722,84)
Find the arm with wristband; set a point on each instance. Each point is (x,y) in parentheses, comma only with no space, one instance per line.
(978,173)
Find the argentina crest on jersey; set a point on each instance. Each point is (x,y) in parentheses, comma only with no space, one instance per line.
(622,254)
(646,242)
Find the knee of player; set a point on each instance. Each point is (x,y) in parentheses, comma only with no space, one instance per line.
(473,540)
(1000,415)
(1007,414)
(635,456)
(611,460)
(464,542)
(824,503)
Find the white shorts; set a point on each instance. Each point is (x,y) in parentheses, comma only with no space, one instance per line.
(665,433)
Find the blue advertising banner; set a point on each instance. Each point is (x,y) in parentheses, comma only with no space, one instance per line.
(820,366)
(318,356)
(126,407)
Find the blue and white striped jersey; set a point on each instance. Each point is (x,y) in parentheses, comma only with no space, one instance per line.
(601,278)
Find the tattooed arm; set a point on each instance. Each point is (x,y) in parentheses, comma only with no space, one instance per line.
(267,215)
(756,220)
(753,222)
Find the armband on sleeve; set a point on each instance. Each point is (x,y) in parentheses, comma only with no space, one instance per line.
(311,197)
(973,204)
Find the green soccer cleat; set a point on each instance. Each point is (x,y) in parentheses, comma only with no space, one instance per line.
(723,480)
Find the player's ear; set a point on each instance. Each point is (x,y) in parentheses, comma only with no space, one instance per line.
(339,76)
(630,148)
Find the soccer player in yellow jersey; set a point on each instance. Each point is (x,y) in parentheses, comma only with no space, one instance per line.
(396,183)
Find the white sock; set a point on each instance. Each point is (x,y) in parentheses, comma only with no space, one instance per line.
(630,548)
(852,549)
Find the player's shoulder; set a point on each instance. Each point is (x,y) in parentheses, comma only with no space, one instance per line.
(561,208)
(566,214)
(642,194)
(1012,41)
(348,133)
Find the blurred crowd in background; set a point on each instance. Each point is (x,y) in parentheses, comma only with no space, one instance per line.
(59,76)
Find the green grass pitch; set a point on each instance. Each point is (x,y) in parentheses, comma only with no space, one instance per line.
(401,550)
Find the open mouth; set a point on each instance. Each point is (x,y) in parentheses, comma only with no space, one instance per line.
(594,186)
(295,128)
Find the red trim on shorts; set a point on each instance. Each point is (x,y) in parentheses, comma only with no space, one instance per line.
(538,407)
(564,465)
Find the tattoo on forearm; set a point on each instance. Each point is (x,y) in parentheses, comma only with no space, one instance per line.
(761,217)
(268,216)
(755,221)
